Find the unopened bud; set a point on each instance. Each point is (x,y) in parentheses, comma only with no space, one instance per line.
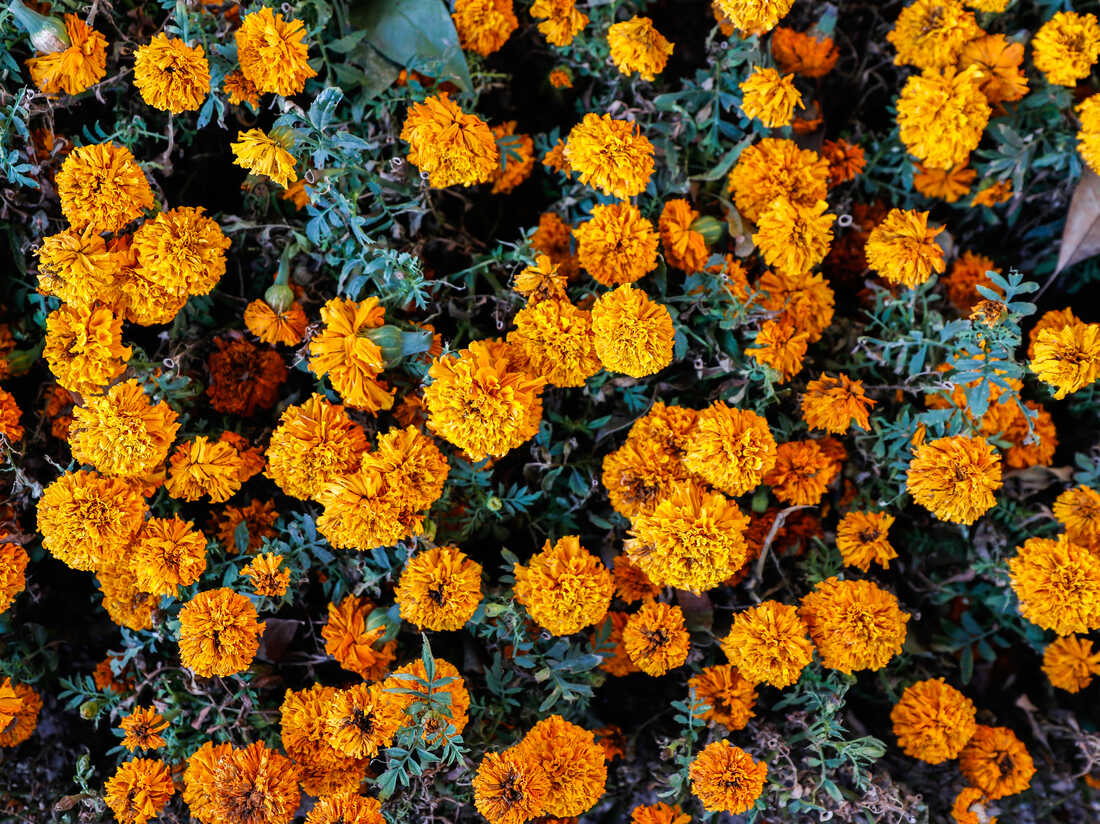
(47,34)
(279,297)
(711,228)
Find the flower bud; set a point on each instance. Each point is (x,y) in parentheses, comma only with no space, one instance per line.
(48,34)
(279,297)
(711,228)
(397,344)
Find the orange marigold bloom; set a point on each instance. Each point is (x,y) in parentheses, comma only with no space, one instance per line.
(437,725)
(726,778)
(804,298)
(855,625)
(552,238)
(768,644)
(998,60)
(616,660)
(946,184)
(484,25)
(352,644)
(449,145)
(102,187)
(967,808)
(655,638)
(75,66)
(267,154)
(769,97)
(933,721)
(322,768)
(723,695)
(633,334)
(287,326)
(1078,510)
(729,448)
(637,47)
(168,553)
(13,568)
(345,352)
(243,377)
(564,587)
(802,473)
(610,155)
(1088,138)
(86,519)
(272,54)
(776,168)
(19,708)
(809,54)
(998,193)
(834,404)
(314,444)
(639,474)
(267,575)
(846,160)
(239,89)
(362,720)
(1058,584)
(364,510)
(543,281)
(941,115)
(84,348)
(794,237)
(182,251)
(862,538)
(659,813)
(617,245)
(346,809)
(1054,319)
(439,589)
(510,787)
(412,465)
(572,760)
(254,785)
(930,34)
(143,728)
(996,762)
(203,467)
(9,417)
(139,790)
(780,345)
(559,20)
(968,272)
(518,152)
(954,478)
(258,519)
(1070,663)
(903,249)
(1066,47)
(1067,358)
(631,583)
(171,75)
(556,339)
(121,433)
(683,247)
(125,603)
(219,633)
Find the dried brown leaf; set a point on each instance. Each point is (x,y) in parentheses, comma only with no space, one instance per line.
(1081,236)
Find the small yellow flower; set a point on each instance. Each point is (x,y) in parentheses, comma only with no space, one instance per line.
(770,97)
(266,154)
(637,47)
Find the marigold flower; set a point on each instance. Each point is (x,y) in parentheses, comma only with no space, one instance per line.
(655,638)
(855,625)
(362,720)
(266,154)
(637,47)
(267,575)
(846,160)
(10,413)
(559,20)
(171,75)
(809,54)
(239,89)
(125,603)
(1088,138)
(543,281)
(254,785)
(725,778)
(272,54)
(1058,584)
(139,790)
(801,474)
(322,768)
(834,404)
(556,339)
(794,237)
(776,168)
(346,809)
(439,589)
(616,661)
(780,345)
(768,644)
(1070,663)
(967,805)
(1067,358)
(941,115)
(121,433)
(564,587)
(552,238)
(770,97)
(348,640)
(1066,47)
(633,335)
(168,553)
(86,519)
(683,247)
(1078,510)
(77,267)
(203,467)
(13,568)
(364,510)
(631,583)
(518,151)
(946,184)
(573,762)
(610,155)
(862,539)
(77,67)
(484,25)
(345,352)
(219,633)
(903,249)
(287,326)
(182,250)
(996,762)
(998,60)
(731,449)
(437,725)
(754,16)
(19,708)
(314,444)
(258,519)
(968,272)
(933,721)
(510,787)
(723,695)
(617,245)
(1000,192)
(143,728)
(449,145)
(930,34)
(639,474)
(102,187)
(954,478)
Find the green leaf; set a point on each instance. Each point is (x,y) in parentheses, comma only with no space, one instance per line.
(415,34)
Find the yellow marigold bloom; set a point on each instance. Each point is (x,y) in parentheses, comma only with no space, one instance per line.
(804,298)
(19,708)
(412,465)
(314,444)
(998,59)
(780,345)
(683,247)
(1088,138)
(1066,47)
(637,47)
(203,467)
(434,723)
(793,237)
(322,768)
(253,785)
(639,474)
(346,809)
(182,250)
(633,334)
(1070,663)
(102,187)
(143,728)
(75,67)
(610,155)
(552,238)
(363,511)
(556,339)
(139,790)
(348,640)
(573,762)
(559,20)
(617,245)
(754,16)
(541,282)
(933,721)
(631,583)
(941,116)
(13,569)
(1054,319)
(801,474)
(776,168)
(362,720)
(449,145)
(171,75)
(834,404)
(144,297)
(855,625)
(723,695)
(1068,358)
(86,519)
(1078,510)
(286,326)
(565,588)
(692,539)
(996,762)
(862,538)
(78,268)
(931,34)
(731,449)
(121,433)
(484,25)
(768,644)
(988,5)
(266,153)
(954,478)
(809,54)
(770,97)
(946,184)
(725,778)
(125,603)
(655,638)
(272,54)
(1058,584)
(439,589)
(481,403)
(903,249)
(219,633)
(510,787)
(168,553)
(345,352)
(239,89)
(267,575)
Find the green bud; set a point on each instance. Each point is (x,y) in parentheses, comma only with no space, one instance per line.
(396,344)
(760,500)
(90,708)
(494,504)
(48,34)
(279,297)
(711,228)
